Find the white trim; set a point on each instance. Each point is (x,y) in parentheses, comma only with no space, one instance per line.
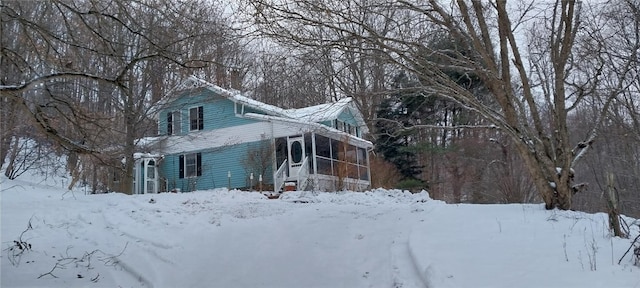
(311,127)
(174,124)
(328,183)
(313,155)
(189,116)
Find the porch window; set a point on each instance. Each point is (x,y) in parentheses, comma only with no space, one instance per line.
(151,170)
(190,165)
(196,118)
(173,123)
(296,152)
(322,147)
(281,151)
(336,157)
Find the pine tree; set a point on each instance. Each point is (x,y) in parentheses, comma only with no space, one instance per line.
(396,115)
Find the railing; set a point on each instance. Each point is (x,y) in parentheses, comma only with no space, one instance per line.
(303,174)
(280,176)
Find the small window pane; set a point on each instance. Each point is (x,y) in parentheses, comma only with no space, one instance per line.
(195,118)
(335,149)
(323,146)
(296,152)
(190,165)
(362,156)
(324,166)
(151,185)
(151,171)
(364,175)
(176,123)
(352,171)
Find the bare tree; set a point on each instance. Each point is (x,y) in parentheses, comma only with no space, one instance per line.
(87,73)
(524,83)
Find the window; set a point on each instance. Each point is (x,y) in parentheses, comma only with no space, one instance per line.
(281,150)
(323,147)
(334,156)
(296,152)
(196,118)
(173,123)
(151,170)
(190,165)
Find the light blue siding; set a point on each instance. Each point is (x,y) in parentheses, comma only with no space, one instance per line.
(347,117)
(218,112)
(216,164)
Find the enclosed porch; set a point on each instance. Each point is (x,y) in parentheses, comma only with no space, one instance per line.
(145,173)
(321,161)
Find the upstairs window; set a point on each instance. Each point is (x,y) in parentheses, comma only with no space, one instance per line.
(190,165)
(196,118)
(346,127)
(173,123)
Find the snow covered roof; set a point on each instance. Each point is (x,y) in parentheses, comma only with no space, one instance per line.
(320,112)
(312,114)
(359,141)
(235,96)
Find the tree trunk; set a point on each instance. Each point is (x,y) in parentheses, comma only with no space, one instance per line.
(612,201)
(130,118)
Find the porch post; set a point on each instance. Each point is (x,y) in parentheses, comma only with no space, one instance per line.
(145,164)
(368,166)
(315,162)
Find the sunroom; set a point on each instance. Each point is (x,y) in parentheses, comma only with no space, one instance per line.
(322,161)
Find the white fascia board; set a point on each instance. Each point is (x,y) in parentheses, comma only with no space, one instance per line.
(313,127)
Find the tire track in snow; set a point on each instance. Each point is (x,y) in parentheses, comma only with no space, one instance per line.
(135,274)
(405,272)
(141,246)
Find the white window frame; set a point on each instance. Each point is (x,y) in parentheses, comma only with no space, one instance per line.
(176,122)
(186,165)
(194,165)
(201,120)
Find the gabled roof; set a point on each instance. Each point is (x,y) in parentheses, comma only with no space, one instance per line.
(322,112)
(312,114)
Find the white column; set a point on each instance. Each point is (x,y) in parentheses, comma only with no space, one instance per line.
(145,163)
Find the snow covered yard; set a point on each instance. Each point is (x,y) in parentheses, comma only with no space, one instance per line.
(239,239)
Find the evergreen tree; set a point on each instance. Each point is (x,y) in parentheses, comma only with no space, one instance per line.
(396,115)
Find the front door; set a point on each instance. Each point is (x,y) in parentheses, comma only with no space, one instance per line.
(296,155)
(150,177)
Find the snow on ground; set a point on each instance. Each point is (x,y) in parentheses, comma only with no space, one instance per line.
(381,238)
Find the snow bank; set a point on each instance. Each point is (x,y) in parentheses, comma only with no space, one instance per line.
(221,238)
(519,246)
(373,197)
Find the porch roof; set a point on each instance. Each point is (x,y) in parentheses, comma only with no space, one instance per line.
(313,127)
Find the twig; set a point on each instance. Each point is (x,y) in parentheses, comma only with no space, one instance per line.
(51,272)
(6,189)
(113,260)
(630,246)
(72,194)
(63,261)
(14,257)
(625,226)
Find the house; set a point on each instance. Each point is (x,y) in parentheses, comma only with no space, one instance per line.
(210,137)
